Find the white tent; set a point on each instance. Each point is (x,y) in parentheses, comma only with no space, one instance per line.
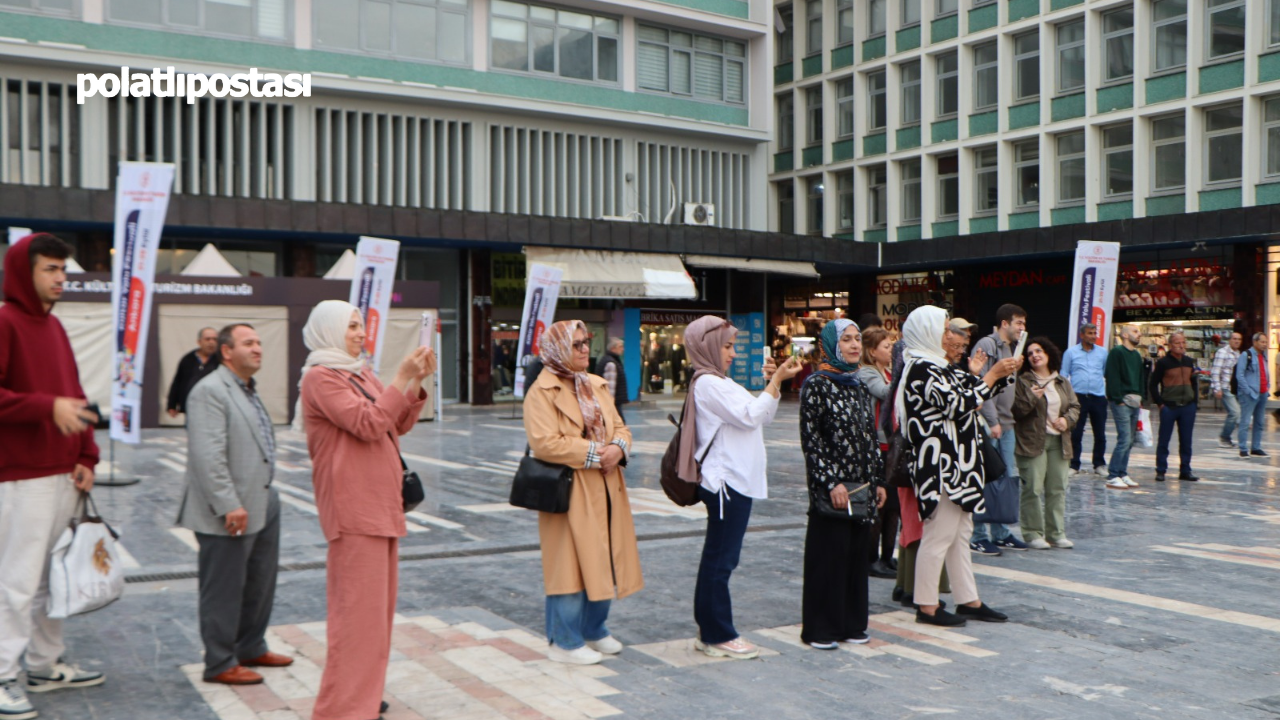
(344,269)
(210,263)
(73,267)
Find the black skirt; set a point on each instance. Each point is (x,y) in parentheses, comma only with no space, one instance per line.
(835,580)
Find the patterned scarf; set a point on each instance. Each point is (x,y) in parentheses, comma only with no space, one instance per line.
(833,364)
(556,348)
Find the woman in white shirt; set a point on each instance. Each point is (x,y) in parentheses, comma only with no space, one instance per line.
(723,431)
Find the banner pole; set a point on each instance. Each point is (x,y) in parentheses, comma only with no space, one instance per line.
(111,480)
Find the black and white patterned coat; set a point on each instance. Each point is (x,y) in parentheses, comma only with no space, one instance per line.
(838,435)
(941,406)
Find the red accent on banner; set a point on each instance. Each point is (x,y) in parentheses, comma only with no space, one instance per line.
(371,328)
(133,317)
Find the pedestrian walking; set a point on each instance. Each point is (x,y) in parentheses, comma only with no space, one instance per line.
(723,428)
(193,367)
(1224,367)
(353,426)
(589,554)
(1252,385)
(937,406)
(1085,365)
(233,511)
(1126,391)
(837,436)
(874,374)
(47,457)
(1045,407)
(1175,390)
(1011,322)
(615,375)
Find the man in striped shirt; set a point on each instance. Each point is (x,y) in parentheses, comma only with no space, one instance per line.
(1224,364)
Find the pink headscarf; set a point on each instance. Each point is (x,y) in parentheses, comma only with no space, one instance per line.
(702,340)
(556,349)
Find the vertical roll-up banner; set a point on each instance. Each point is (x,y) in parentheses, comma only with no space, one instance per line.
(371,285)
(1093,288)
(540,296)
(142,200)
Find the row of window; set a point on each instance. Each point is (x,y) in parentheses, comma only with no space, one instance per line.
(1222,159)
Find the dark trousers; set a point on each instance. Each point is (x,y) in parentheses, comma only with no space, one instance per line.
(834,604)
(1185,418)
(1093,407)
(712,607)
(237,591)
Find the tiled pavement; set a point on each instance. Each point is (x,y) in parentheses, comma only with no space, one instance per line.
(1166,609)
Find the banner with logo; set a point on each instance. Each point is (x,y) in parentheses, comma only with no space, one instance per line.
(142,200)
(540,297)
(1093,289)
(371,285)
(748,348)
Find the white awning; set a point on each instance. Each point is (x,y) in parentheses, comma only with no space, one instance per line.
(603,274)
(345,268)
(210,263)
(780,267)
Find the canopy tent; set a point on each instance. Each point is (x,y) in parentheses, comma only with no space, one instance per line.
(779,267)
(344,269)
(210,263)
(604,274)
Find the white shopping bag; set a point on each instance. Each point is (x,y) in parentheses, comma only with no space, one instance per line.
(85,572)
(1144,439)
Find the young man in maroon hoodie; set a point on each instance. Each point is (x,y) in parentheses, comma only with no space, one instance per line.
(47,457)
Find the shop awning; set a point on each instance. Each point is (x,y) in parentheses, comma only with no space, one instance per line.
(603,274)
(779,267)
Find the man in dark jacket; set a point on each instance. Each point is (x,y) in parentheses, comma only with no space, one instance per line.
(610,368)
(191,368)
(47,457)
(1175,389)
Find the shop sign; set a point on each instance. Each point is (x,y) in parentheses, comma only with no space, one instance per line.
(998,280)
(748,361)
(1158,314)
(898,295)
(663,317)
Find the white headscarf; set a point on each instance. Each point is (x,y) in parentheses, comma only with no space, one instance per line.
(325,335)
(922,339)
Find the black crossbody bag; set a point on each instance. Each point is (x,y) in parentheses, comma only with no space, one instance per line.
(411,490)
(541,486)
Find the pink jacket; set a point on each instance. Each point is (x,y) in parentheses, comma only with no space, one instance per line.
(354,456)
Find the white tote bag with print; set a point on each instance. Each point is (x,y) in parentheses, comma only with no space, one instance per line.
(85,572)
(1144,438)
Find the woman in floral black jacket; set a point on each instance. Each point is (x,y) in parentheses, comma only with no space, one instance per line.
(838,437)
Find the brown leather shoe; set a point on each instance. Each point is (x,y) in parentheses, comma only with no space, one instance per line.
(238,675)
(268,659)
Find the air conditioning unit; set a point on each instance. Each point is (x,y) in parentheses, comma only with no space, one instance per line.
(699,214)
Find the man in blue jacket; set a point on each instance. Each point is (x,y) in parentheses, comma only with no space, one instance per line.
(1252,385)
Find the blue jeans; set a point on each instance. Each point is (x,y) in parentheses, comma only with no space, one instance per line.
(1232,405)
(1093,407)
(995,531)
(1126,429)
(1253,414)
(712,607)
(1185,418)
(572,620)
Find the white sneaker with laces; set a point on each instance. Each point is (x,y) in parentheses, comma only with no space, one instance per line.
(62,675)
(1116,483)
(735,649)
(582,656)
(1063,543)
(1130,481)
(608,645)
(1100,470)
(13,702)
(1038,544)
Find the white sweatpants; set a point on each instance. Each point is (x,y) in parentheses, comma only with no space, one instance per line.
(33,514)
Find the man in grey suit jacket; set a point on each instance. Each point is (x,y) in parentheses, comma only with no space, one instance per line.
(234,512)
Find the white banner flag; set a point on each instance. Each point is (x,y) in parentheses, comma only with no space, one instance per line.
(142,200)
(1093,289)
(371,285)
(540,297)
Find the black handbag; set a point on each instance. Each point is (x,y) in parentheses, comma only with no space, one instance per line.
(411,491)
(861,508)
(541,486)
(993,465)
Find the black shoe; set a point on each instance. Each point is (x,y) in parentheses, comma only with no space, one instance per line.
(941,618)
(880,570)
(1188,477)
(907,600)
(1259,453)
(897,594)
(383,707)
(1244,453)
(1159,477)
(893,563)
(982,612)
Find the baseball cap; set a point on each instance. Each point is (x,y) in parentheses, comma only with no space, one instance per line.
(959,324)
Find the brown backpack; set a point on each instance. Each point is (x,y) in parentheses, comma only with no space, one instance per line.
(681,492)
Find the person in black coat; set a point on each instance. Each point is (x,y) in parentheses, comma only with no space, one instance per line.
(193,367)
(610,367)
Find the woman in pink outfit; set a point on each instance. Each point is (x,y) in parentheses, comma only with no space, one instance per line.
(353,425)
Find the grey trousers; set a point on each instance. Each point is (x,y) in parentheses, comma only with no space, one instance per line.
(237,591)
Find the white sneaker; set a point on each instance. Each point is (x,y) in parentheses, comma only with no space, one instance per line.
(1116,483)
(582,656)
(1063,543)
(736,649)
(608,645)
(1038,544)
(1130,481)
(1100,470)
(1224,443)
(13,702)
(1081,471)
(62,675)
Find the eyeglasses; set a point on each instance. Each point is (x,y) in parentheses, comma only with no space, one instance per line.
(582,345)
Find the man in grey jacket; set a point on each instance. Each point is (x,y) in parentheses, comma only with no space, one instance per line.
(234,512)
(1011,322)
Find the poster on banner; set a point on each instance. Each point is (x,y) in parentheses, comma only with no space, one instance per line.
(371,285)
(748,361)
(1093,288)
(142,201)
(540,297)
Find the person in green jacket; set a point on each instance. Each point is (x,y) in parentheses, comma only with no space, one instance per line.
(1126,392)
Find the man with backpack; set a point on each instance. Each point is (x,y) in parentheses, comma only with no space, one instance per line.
(1251,385)
(1221,382)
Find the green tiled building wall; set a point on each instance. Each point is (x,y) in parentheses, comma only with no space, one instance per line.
(1022,9)
(875,144)
(1226,76)
(812,65)
(811,156)
(1067,216)
(950,228)
(908,232)
(1116,97)
(908,137)
(1166,88)
(987,16)
(875,235)
(844,236)
(784,161)
(784,73)
(1269,67)
(983,225)
(984,123)
(907,39)
(842,57)
(732,8)
(1060,4)
(1115,211)
(1024,115)
(842,150)
(1268,194)
(1024,220)
(1167,205)
(944,28)
(874,48)
(1068,106)
(944,130)
(1221,199)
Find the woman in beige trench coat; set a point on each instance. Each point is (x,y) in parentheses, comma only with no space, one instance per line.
(589,554)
